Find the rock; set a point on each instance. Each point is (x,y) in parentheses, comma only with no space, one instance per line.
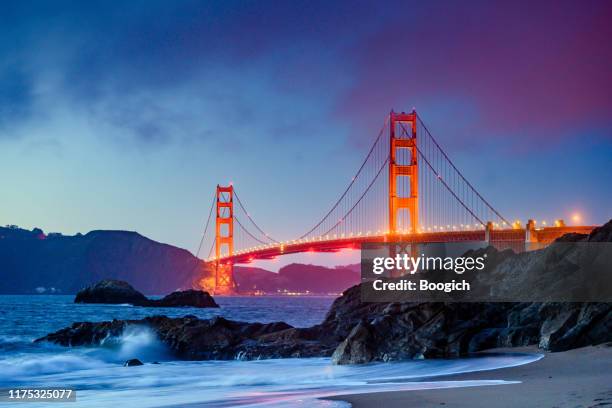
(210,339)
(133,362)
(400,330)
(110,291)
(118,292)
(357,348)
(192,298)
(86,333)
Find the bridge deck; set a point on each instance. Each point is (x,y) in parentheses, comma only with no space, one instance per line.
(505,237)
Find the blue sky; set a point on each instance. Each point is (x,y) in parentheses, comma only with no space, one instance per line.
(126,116)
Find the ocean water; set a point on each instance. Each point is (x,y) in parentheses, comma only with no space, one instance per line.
(98,375)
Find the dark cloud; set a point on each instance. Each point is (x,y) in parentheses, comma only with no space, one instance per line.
(532,70)
(516,69)
(16,99)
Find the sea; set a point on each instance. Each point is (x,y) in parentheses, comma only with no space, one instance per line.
(99,378)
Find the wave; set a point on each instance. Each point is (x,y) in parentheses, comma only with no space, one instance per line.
(26,366)
(102,382)
(28,359)
(136,342)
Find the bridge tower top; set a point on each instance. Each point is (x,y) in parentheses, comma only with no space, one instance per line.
(403,165)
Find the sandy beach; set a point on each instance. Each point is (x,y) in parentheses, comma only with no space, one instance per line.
(575,378)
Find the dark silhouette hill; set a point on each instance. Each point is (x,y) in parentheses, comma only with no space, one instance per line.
(35,262)
(298,278)
(57,263)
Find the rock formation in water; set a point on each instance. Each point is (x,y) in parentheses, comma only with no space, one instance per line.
(211,339)
(110,291)
(117,292)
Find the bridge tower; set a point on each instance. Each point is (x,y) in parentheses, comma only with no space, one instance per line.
(224,237)
(403,137)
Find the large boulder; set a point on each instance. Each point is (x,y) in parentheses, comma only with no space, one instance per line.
(112,292)
(191,298)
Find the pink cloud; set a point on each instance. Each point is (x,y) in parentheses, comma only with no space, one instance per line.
(529,69)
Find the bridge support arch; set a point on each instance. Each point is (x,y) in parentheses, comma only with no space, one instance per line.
(403,137)
(224,241)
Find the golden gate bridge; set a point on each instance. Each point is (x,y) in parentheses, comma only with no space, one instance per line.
(406,183)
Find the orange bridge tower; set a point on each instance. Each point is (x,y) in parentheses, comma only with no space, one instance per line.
(403,163)
(224,240)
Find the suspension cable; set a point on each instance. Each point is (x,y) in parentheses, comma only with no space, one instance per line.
(212,246)
(461,174)
(251,219)
(447,187)
(352,181)
(360,198)
(247,231)
(206,227)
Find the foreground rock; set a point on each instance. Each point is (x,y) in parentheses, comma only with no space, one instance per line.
(441,330)
(404,330)
(212,339)
(120,292)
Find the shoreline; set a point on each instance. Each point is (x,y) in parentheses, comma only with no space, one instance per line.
(575,378)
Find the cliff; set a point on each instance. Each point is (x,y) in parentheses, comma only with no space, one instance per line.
(57,263)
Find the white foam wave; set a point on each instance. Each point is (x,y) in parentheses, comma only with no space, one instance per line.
(257,383)
(136,342)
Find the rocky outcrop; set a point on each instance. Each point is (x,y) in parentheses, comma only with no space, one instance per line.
(395,331)
(119,292)
(111,292)
(190,298)
(442,330)
(212,339)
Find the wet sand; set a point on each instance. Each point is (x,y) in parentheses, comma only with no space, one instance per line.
(575,378)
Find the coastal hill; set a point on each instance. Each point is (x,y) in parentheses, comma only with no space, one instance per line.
(35,262)
(298,278)
(54,263)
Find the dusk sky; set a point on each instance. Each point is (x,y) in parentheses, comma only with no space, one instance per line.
(126,115)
